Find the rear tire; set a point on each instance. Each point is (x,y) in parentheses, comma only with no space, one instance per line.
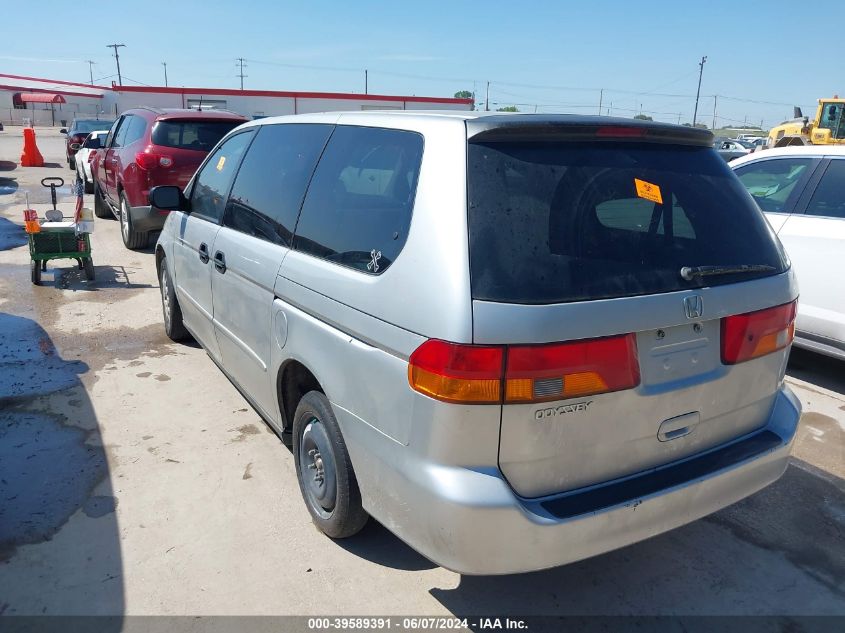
(101,207)
(173,325)
(71,162)
(35,272)
(88,265)
(324,470)
(89,186)
(133,240)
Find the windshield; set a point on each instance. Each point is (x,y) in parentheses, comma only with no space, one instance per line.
(558,222)
(86,127)
(197,135)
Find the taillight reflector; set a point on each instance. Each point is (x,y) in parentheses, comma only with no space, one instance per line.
(149,160)
(457,373)
(755,334)
(476,374)
(538,373)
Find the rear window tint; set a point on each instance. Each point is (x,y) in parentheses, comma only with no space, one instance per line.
(196,135)
(557,222)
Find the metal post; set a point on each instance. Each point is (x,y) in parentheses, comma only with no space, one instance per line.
(601,96)
(165,73)
(240,60)
(714,110)
(91,71)
(487,98)
(698,92)
(117,60)
(366,87)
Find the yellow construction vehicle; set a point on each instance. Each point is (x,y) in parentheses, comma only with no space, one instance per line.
(828,128)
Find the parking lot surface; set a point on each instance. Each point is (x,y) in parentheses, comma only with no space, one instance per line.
(134,479)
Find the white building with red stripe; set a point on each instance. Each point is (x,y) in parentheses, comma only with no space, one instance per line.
(86,100)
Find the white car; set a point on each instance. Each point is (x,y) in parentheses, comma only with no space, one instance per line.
(92,142)
(801,191)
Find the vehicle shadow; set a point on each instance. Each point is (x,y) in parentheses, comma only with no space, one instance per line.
(8,165)
(12,234)
(761,556)
(379,545)
(59,535)
(817,369)
(8,186)
(68,276)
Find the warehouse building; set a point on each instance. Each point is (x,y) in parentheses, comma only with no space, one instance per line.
(52,102)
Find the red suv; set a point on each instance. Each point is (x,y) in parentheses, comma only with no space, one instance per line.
(147,147)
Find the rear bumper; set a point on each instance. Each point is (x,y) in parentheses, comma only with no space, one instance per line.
(471,521)
(146,219)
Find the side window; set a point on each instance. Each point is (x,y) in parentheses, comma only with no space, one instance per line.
(122,130)
(272,180)
(135,130)
(772,182)
(211,185)
(359,204)
(113,131)
(829,197)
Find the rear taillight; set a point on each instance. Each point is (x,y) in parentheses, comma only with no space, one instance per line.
(470,374)
(476,374)
(620,131)
(569,370)
(754,334)
(149,159)
(91,154)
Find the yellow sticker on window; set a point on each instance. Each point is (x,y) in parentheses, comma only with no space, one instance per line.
(648,191)
(222,162)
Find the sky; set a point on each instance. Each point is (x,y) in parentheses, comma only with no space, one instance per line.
(630,57)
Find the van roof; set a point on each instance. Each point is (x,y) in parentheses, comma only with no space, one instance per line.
(483,125)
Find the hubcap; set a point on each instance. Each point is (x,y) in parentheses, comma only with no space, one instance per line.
(317,467)
(165,294)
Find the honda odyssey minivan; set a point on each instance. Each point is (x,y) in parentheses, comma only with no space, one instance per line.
(517,341)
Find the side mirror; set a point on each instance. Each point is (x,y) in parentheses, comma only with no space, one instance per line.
(75,146)
(63,131)
(168,198)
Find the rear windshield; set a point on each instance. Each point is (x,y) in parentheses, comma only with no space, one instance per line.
(556,222)
(196,135)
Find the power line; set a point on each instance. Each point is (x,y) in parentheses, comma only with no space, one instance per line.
(117,60)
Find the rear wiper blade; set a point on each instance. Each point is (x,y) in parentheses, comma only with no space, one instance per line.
(691,272)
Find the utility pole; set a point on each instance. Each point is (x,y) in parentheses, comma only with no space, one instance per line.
(91,70)
(117,60)
(698,92)
(165,73)
(487,98)
(366,87)
(601,96)
(240,60)
(715,97)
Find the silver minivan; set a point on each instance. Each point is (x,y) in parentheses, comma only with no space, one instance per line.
(517,341)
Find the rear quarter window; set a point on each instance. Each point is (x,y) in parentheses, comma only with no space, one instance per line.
(358,208)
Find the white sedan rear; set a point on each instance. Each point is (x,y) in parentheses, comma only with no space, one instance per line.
(92,143)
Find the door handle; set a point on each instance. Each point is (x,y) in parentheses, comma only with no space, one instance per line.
(220,262)
(204,253)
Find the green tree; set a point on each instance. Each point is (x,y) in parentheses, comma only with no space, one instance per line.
(508,109)
(463,94)
(643,117)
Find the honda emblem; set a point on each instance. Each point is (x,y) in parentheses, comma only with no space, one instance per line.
(694,306)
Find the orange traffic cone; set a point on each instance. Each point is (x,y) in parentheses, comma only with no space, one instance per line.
(30,157)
